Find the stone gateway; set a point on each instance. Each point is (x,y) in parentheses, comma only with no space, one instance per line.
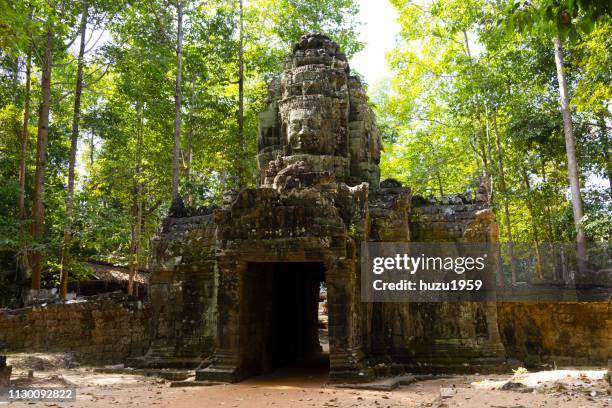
(238,287)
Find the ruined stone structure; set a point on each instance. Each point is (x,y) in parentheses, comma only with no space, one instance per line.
(104,329)
(557,333)
(240,284)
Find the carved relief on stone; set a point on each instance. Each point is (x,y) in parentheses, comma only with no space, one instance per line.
(314,80)
(313,124)
(318,114)
(304,131)
(288,177)
(316,48)
(364,140)
(268,132)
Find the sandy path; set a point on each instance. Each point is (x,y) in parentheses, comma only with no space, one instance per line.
(304,385)
(277,392)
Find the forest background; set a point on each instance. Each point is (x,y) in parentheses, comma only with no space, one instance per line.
(109,109)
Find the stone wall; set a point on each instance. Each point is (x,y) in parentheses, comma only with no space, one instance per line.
(183,290)
(101,330)
(444,220)
(564,333)
(433,337)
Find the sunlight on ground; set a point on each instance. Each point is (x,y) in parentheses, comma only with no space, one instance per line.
(106,379)
(541,378)
(534,379)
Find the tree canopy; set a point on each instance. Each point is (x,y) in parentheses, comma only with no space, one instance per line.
(473,98)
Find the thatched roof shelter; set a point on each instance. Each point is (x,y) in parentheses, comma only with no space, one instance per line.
(116,274)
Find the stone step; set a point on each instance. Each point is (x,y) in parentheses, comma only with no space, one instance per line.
(195,383)
(385,384)
(161,351)
(149,362)
(223,374)
(166,374)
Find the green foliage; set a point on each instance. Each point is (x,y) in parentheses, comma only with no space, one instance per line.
(461,75)
(77,270)
(569,18)
(129,74)
(286,20)
(598,221)
(461,78)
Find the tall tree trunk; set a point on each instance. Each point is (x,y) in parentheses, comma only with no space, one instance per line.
(551,234)
(38,205)
(504,194)
(190,136)
(177,100)
(241,140)
(74,139)
(189,141)
(487,141)
(467,44)
(24,265)
(24,140)
(487,177)
(483,156)
(135,245)
(549,227)
(570,148)
(486,156)
(534,227)
(92,148)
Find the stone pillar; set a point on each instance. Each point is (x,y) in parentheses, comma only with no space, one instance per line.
(346,357)
(484,229)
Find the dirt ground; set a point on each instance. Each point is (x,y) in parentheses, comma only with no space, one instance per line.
(304,385)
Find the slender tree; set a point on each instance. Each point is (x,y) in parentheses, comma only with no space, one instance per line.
(23,158)
(504,198)
(24,138)
(74,139)
(38,206)
(570,149)
(534,227)
(241,138)
(189,155)
(564,20)
(137,224)
(177,100)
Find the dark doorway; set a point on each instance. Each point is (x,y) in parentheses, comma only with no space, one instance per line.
(282,313)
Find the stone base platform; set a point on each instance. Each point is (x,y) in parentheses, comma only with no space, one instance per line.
(385,384)
(489,365)
(166,374)
(186,363)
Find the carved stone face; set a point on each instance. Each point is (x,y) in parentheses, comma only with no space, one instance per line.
(304,131)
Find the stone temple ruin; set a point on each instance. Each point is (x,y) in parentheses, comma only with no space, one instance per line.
(235,290)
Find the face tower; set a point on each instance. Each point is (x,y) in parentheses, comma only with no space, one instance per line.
(317,118)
